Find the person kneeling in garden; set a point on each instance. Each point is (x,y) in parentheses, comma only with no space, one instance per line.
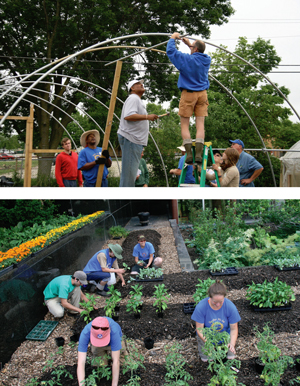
(64,292)
(101,265)
(143,254)
(105,337)
(218,313)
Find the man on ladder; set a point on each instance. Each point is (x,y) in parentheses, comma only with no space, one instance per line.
(193,82)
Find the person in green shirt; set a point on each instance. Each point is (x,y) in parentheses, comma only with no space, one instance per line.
(142,178)
(64,292)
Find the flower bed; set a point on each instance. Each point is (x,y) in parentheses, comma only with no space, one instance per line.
(16,254)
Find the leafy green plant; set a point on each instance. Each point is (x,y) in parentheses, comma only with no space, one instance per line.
(150,273)
(135,301)
(270,294)
(133,361)
(118,231)
(288,262)
(175,366)
(218,266)
(216,348)
(162,297)
(270,355)
(202,288)
(112,301)
(88,307)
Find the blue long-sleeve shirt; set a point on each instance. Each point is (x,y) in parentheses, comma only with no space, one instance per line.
(193,68)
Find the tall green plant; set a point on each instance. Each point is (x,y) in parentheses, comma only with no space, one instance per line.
(202,288)
(270,355)
(112,301)
(135,301)
(161,298)
(175,365)
(88,307)
(216,348)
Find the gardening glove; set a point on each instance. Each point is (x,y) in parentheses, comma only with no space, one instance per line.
(105,153)
(100,161)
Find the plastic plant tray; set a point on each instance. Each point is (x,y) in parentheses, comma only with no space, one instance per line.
(156,279)
(266,309)
(286,268)
(189,308)
(42,330)
(228,271)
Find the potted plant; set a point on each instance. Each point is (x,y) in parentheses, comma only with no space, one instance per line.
(288,263)
(117,232)
(150,274)
(274,364)
(135,302)
(162,297)
(270,296)
(201,293)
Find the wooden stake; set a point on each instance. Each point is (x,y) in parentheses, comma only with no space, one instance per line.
(28,148)
(110,115)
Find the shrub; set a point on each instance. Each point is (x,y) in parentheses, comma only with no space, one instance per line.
(202,288)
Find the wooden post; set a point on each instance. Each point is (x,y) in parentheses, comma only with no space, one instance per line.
(110,116)
(28,148)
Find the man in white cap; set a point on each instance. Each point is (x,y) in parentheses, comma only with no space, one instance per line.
(105,337)
(90,158)
(189,177)
(133,132)
(102,264)
(64,292)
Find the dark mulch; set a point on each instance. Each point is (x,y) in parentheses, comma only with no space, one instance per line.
(177,325)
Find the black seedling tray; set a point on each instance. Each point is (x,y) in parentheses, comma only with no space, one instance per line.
(189,308)
(286,268)
(266,309)
(156,279)
(42,330)
(228,271)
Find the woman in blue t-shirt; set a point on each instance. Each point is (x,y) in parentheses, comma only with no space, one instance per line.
(219,313)
(143,254)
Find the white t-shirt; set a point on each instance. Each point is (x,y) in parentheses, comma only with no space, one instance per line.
(135,131)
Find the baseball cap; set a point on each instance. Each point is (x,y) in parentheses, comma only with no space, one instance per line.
(100,332)
(141,237)
(117,250)
(238,141)
(81,276)
(132,82)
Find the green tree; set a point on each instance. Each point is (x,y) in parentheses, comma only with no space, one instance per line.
(265,106)
(167,135)
(34,33)
(9,142)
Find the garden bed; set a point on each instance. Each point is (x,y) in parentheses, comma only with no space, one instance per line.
(29,360)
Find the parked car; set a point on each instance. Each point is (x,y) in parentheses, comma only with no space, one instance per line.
(4,156)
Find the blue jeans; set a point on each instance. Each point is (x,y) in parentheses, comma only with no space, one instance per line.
(70,183)
(99,275)
(131,155)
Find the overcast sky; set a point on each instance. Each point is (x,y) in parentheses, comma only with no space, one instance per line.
(275,20)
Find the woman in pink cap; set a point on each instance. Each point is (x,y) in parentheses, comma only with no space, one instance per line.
(105,337)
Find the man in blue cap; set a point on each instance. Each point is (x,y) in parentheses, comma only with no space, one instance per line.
(248,166)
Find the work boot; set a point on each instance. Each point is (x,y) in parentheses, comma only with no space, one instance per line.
(189,154)
(103,293)
(198,152)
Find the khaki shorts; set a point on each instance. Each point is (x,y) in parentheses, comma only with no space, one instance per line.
(103,351)
(193,102)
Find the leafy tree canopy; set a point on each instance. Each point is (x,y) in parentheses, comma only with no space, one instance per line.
(34,33)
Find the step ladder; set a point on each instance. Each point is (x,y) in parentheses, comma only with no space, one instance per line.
(207,149)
